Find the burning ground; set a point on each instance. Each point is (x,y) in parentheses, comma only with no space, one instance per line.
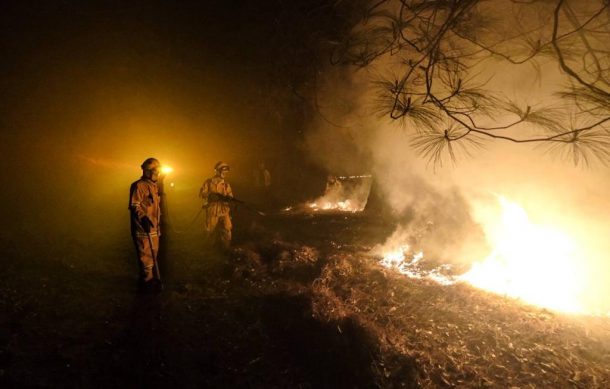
(299,302)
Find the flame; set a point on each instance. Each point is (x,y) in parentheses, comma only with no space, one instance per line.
(345,205)
(345,194)
(535,263)
(166,170)
(406,262)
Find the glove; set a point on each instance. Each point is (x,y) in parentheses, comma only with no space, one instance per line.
(146,224)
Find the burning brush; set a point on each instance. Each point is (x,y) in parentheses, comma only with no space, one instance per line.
(531,262)
(342,194)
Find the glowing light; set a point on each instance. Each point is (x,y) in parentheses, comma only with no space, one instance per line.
(532,262)
(406,262)
(354,177)
(166,170)
(344,206)
(344,194)
(535,263)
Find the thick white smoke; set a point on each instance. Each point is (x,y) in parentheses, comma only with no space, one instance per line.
(433,204)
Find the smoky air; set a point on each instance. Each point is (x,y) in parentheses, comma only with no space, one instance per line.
(351,194)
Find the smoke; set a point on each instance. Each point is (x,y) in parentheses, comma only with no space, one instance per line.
(428,208)
(436,207)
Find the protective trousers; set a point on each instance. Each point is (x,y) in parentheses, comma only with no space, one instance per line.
(147,255)
(220,224)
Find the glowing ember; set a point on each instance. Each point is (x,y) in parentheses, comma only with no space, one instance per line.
(395,258)
(533,262)
(403,260)
(345,206)
(398,260)
(354,177)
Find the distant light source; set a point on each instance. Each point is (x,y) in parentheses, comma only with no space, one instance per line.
(166,170)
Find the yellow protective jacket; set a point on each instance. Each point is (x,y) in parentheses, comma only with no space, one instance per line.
(144,200)
(218,185)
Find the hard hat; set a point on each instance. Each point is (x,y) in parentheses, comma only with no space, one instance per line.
(150,163)
(220,166)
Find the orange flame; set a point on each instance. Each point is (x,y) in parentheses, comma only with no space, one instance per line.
(344,194)
(535,263)
(345,205)
(532,262)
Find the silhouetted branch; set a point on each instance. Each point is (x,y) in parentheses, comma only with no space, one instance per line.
(441,41)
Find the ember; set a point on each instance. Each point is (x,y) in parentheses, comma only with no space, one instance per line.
(346,206)
(397,259)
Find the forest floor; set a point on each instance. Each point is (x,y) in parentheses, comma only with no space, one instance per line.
(297,303)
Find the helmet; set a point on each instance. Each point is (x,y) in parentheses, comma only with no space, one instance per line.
(220,166)
(150,163)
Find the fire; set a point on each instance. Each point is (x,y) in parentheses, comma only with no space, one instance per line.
(533,262)
(344,206)
(407,262)
(344,193)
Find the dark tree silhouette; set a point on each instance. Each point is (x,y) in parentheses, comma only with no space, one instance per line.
(436,49)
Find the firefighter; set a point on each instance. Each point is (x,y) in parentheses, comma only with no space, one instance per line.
(263,178)
(216,194)
(145,210)
(262,183)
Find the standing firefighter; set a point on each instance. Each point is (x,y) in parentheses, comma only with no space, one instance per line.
(216,194)
(145,210)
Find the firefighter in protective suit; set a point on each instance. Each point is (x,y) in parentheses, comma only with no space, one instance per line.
(216,194)
(145,211)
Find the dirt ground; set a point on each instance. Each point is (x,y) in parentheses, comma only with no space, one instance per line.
(295,304)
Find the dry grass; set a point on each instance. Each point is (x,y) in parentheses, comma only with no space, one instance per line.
(458,336)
